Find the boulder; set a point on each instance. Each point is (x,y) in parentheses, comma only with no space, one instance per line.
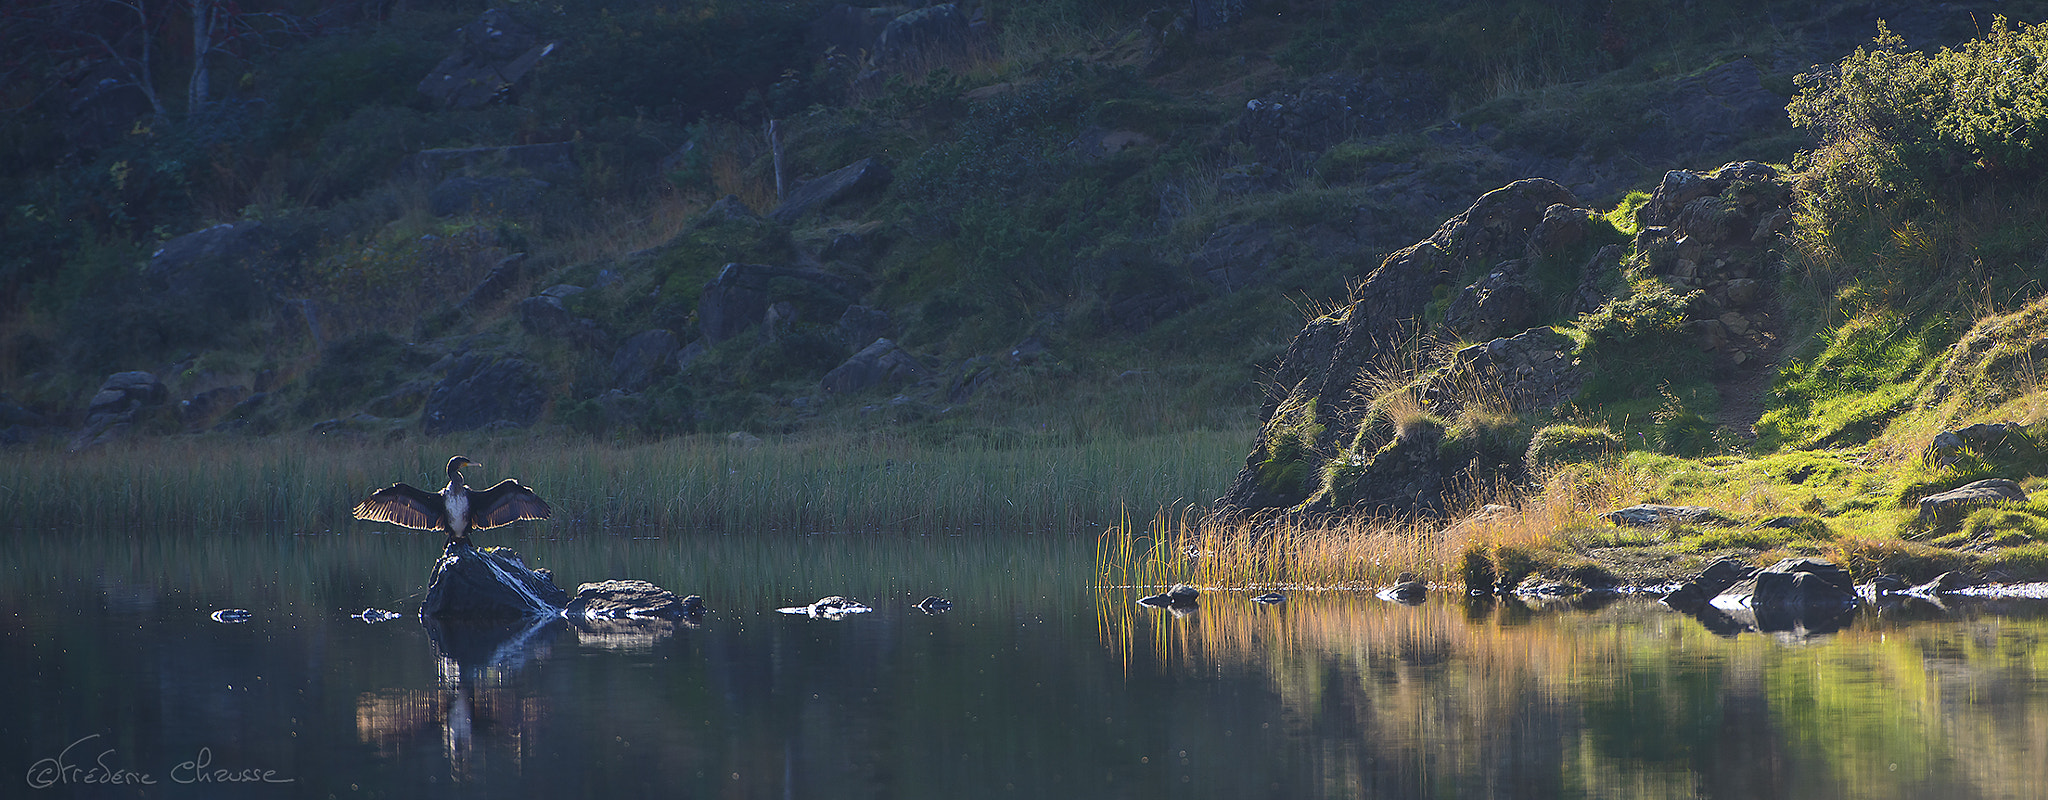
(1650,514)
(877,364)
(220,269)
(497,283)
(493,54)
(1947,446)
(741,295)
(923,37)
(1802,582)
(1532,370)
(645,356)
(481,391)
(491,583)
(123,399)
(1946,509)
(861,324)
(628,599)
(832,187)
(1717,578)
(1180,596)
(548,317)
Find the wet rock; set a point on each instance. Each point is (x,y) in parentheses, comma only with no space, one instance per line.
(493,55)
(933,604)
(375,615)
(1946,509)
(1180,596)
(1945,583)
(493,582)
(481,391)
(878,364)
(1717,578)
(840,184)
(1650,514)
(1407,590)
(625,599)
(1880,586)
(1270,598)
(232,615)
(643,358)
(1802,582)
(830,607)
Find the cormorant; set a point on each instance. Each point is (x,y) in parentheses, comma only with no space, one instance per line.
(455,509)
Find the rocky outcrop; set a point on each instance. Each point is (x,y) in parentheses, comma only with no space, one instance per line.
(482,391)
(1714,233)
(493,54)
(122,400)
(489,583)
(853,179)
(878,364)
(1318,375)
(1945,510)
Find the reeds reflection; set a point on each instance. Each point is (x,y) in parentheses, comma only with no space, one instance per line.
(1476,697)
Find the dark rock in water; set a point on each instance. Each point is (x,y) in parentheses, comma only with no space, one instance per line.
(232,615)
(1880,586)
(625,599)
(1270,598)
(1180,596)
(693,607)
(934,604)
(375,615)
(835,607)
(1940,511)
(1803,582)
(1407,589)
(492,583)
(1717,578)
(839,184)
(1945,583)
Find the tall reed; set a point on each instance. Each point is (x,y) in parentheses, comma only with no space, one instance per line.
(827,482)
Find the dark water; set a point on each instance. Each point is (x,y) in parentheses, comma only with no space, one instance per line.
(1034,685)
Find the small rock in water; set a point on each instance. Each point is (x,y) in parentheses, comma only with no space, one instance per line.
(934,604)
(1270,598)
(1180,596)
(375,615)
(693,607)
(832,607)
(1406,589)
(232,615)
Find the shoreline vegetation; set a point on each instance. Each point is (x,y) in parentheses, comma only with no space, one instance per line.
(810,484)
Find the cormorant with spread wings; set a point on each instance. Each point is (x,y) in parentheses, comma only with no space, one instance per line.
(455,509)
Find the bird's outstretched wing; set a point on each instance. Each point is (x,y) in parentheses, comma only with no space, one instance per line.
(504,504)
(406,506)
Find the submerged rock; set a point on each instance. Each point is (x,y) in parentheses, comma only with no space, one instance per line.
(375,615)
(232,615)
(1270,598)
(829,607)
(1407,590)
(934,604)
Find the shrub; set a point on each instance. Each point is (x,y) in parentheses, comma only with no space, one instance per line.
(1569,444)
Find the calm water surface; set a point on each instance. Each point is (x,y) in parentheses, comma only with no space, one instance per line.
(1034,685)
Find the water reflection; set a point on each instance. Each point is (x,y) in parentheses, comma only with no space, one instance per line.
(1032,683)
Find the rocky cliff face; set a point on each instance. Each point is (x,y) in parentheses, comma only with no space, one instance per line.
(1371,412)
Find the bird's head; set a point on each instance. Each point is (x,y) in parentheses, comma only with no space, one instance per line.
(459,462)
